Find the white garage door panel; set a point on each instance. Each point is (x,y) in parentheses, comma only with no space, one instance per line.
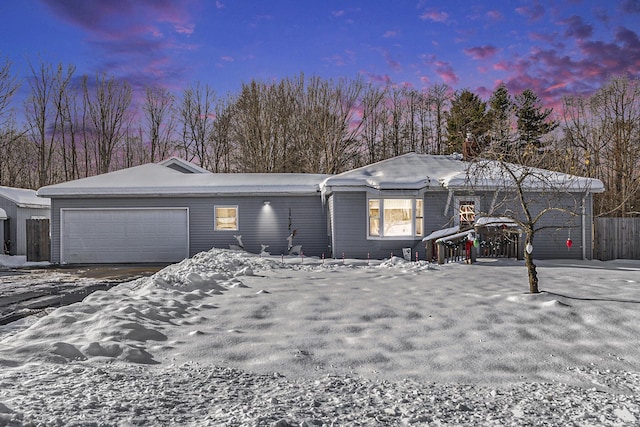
(124,235)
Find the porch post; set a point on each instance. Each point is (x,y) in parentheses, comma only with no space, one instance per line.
(440,253)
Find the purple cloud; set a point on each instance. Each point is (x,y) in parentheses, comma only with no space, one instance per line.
(394,64)
(481,52)
(552,73)
(533,13)
(576,28)
(138,39)
(630,6)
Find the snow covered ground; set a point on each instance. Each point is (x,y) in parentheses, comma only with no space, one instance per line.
(230,338)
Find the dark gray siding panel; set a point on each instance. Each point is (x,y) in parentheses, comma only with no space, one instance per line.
(349,222)
(553,228)
(562,220)
(12,212)
(258,224)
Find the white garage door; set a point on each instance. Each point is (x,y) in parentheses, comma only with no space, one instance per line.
(124,235)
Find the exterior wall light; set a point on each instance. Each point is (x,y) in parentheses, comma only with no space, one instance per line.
(267,202)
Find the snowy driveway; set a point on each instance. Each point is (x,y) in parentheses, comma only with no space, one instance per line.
(28,291)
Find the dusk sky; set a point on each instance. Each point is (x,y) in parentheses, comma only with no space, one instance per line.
(553,47)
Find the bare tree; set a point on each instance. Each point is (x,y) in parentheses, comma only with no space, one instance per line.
(8,87)
(439,100)
(537,200)
(107,106)
(44,113)
(222,145)
(265,126)
(602,137)
(161,122)
(196,116)
(374,117)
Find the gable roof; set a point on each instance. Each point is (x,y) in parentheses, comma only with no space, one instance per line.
(182,165)
(24,198)
(153,179)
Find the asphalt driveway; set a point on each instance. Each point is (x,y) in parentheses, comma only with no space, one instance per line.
(30,291)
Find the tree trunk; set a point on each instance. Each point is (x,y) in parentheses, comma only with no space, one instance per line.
(532,273)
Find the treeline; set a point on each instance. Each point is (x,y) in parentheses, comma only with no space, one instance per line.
(79,126)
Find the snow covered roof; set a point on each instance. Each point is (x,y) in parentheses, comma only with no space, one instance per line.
(182,165)
(407,172)
(157,180)
(24,198)
(442,233)
(491,174)
(423,171)
(495,221)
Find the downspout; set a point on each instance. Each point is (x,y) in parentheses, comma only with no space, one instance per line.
(446,207)
(584,226)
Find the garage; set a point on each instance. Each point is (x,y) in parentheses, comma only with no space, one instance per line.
(124,235)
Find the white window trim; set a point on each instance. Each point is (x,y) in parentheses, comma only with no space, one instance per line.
(216,207)
(413,235)
(456,206)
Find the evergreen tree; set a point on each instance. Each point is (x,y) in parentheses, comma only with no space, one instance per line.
(533,120)
(467,118)
(501,115)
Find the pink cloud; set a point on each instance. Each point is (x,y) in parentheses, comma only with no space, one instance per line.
(435,16)
(481,52)
(219,4)
(390,34)
(495,15)
(337,13)
(227,58)
(341,59)
(501,66)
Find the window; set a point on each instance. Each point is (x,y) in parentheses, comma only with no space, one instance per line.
(225,218)
(395,218)
(419,217)
(467,209)
(374,217)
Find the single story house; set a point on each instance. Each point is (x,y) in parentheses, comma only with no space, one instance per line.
(169,211)
(16,206)
(172,210)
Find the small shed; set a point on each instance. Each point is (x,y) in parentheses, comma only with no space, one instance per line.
(17,205)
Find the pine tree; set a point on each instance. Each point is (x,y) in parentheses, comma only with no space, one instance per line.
(501,115)
(533,120)
(466,118)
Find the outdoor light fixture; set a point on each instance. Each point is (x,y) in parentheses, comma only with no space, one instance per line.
(267,202)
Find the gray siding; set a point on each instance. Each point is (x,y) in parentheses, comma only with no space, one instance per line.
(18,217)
(349,222)
(349,232)
(553,228)
(258,224)
(11,210)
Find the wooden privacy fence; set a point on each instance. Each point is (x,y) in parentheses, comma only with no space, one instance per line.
(616,238)
(38,240)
